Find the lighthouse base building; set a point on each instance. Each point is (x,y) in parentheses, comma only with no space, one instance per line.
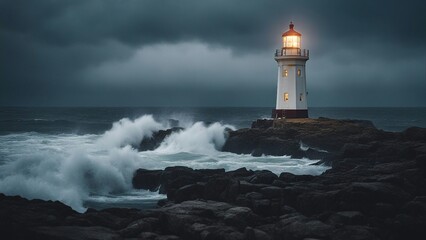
(291,86)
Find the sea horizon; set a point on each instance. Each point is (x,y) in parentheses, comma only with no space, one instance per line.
(386,118)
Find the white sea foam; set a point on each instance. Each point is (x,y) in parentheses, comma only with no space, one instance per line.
(198,138)
(62,170)
(126,131)
(76,169)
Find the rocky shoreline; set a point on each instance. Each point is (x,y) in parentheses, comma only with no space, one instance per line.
(374,190)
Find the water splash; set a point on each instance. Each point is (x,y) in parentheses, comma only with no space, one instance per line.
(75,168)
(198,138)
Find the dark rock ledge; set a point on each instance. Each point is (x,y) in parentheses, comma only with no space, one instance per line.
(376,189)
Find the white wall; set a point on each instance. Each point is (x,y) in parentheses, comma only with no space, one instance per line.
(292,84)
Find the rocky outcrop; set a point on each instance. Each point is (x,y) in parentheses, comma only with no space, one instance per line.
(360,198)
(156,139)
(311,138)
(374,190)
(375,179)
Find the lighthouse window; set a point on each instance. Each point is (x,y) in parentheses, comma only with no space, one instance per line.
(299,72)
(285,73)
(285,96)
(301,97)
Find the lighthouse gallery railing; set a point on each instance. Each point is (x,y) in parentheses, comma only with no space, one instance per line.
(291,52)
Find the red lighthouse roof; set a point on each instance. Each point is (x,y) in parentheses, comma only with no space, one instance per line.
(291,31)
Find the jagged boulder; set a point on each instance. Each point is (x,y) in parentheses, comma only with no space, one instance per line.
(147,179)
(284,137)
(156,139)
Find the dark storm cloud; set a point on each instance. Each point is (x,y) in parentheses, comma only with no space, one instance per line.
(86,52)
(236,23)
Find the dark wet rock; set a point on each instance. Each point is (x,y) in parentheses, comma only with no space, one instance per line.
(261,206)
(285,136)
(315,202)
(19,216)
(415,134)
(222,189)
(279,183)
(421,163)
(254,196)
(276,147)
(246,187)
(405,226)
(100,218)
(383,210)
(240,217)
(311,153)
(148,236)
(243,141)
(174,178)
(291,193)
(157,138)
(285,209)
(171,186)
(222,232)
(263,177)
(272,192)
(354,233)
(256,234)
(147,179)
(240,173)
(141,225)
(76,233)
(210,172)
(262,123)
(362,194)
(416,207)
(351,150)
(171,179)
(33,212)
(189,192)
(374,190)
(168,237)
(299,227)
(196,219)
(289,177)
(347,218)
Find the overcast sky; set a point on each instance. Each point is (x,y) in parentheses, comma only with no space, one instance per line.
(208,53)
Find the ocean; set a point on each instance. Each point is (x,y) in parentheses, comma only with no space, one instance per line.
(85,157)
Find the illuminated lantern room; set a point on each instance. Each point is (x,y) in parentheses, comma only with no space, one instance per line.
(291,38)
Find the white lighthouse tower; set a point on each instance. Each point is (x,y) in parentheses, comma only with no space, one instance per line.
(291,87)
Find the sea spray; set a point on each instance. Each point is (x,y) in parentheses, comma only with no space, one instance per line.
(70,168)
(130,132)
(198,138)
(73,167)
(76,169)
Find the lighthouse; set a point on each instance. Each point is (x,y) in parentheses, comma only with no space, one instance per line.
(291,86)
